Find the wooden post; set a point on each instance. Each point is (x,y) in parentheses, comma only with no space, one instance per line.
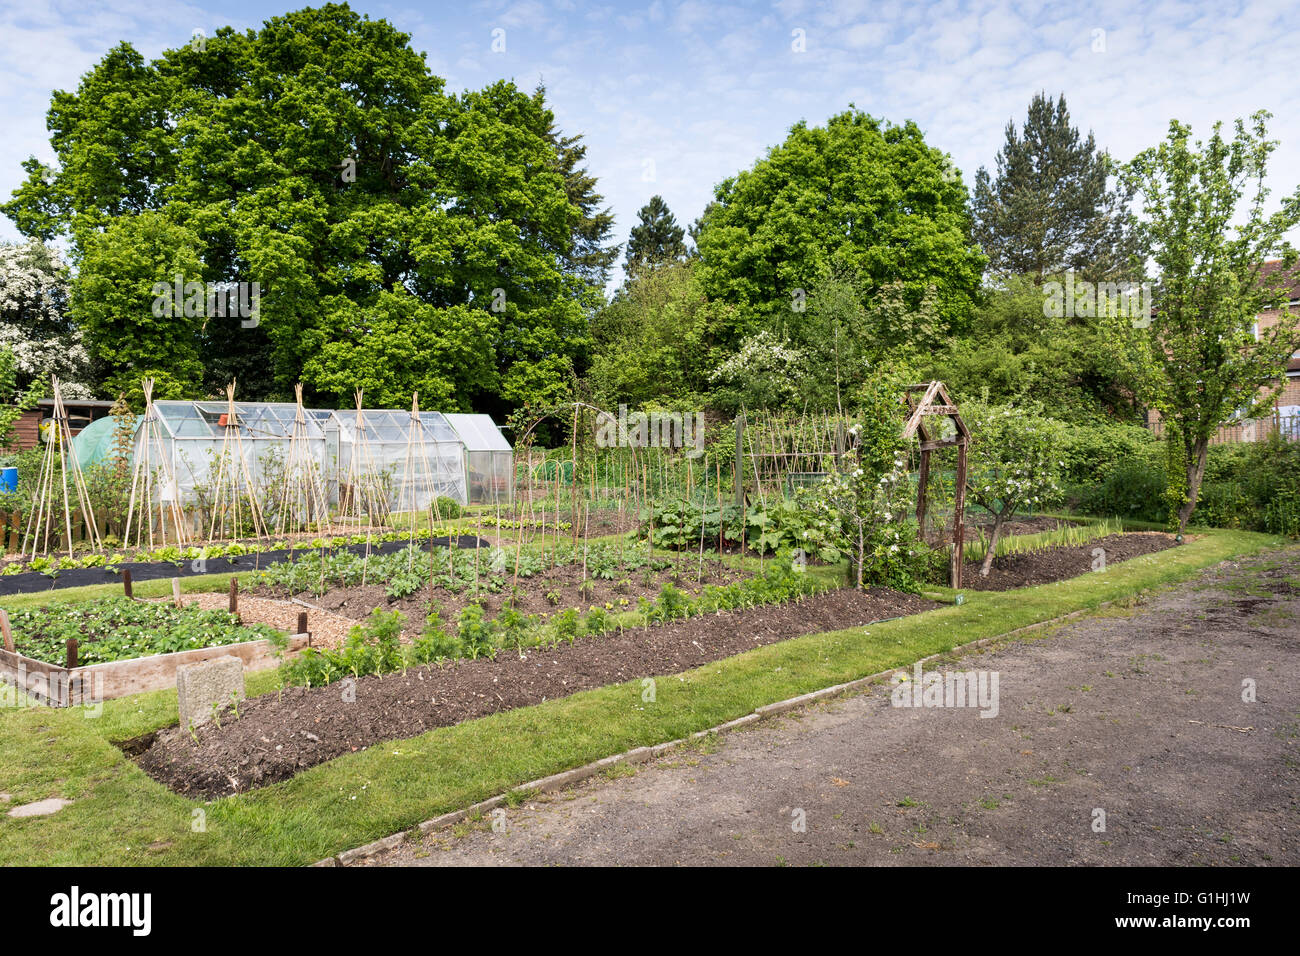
(302,626)
(573,506)
(126,583)
(4,629)
(958,511)
(72,653)
(234,596)
(176,591)
(922,480)
(740,463)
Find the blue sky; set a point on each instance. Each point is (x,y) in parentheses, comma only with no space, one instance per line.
(675,95)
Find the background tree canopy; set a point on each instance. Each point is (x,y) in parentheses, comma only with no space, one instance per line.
(403,237)
(1050,207)
(857,195)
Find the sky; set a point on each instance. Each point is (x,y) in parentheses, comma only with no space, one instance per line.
(674,96)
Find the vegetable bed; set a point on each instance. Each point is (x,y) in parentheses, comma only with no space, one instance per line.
(117,629)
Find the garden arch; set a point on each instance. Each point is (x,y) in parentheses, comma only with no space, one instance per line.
(934,402)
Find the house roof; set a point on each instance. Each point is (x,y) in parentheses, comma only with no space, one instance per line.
(76,403)
(1292,279)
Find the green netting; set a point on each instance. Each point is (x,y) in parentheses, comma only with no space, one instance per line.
(94,443)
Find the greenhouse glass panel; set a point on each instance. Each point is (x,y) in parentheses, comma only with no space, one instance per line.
(201,448)
(413,464)
(489,459)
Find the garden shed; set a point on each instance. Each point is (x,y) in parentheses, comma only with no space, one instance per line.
(489,459)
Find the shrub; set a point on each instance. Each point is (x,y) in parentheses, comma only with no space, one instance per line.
(1129,491)
(1091,453)
(447,509)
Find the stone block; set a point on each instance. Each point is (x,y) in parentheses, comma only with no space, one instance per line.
(199,686)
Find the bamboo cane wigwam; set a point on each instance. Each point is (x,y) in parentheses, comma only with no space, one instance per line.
(59,467)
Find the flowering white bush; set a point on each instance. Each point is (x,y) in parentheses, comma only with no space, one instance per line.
(33,323)
(861,508)
(860,513)
(1014,461)
(764,373)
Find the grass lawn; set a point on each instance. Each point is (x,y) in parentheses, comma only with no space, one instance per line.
(121,816)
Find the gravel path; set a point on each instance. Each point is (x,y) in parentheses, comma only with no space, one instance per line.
(1135,713)
(328,629)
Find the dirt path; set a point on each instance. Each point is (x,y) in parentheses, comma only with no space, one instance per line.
(1138,714)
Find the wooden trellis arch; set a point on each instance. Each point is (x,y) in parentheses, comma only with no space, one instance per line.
(935,401)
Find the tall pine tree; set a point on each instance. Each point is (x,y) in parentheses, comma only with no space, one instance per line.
(1050,208)
(656,239)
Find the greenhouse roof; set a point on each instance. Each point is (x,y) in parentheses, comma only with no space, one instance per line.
(478,432)
(256,419)
(392,425)
(185,419)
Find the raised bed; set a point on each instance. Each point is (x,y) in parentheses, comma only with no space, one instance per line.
(64,687)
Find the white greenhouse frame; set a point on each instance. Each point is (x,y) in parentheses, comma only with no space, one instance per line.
(465,457)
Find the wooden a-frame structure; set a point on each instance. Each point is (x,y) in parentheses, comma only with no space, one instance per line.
(935,401)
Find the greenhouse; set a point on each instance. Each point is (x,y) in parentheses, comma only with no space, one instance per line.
(380,456)
(199,440)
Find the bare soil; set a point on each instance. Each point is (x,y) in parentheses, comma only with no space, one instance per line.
(552,590)
(276,736)
(1058,564)
(1138,714)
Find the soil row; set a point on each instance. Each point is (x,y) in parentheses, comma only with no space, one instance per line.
(1058,564)
(279,735)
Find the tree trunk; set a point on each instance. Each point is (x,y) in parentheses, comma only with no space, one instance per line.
(1196,455)
(993,543)
(862,555)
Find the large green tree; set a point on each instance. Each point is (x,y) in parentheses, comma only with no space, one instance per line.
(858,195)
(1050,208)
(320,158)
(114,300)
(1199,359)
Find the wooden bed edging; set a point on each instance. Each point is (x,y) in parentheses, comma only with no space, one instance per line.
(61,687)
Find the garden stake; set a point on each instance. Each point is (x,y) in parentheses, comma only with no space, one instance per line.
(573,481)
(699,574)
(234,597)
(126,584)
(717,464)
(72,653)
(176,591)
(227,500)
(586,520)
(5,631)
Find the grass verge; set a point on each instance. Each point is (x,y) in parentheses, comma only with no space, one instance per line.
(122,817)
